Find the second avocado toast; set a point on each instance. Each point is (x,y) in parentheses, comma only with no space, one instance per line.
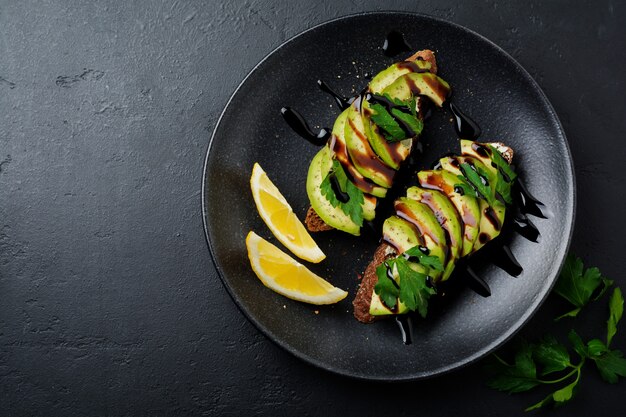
(457,208)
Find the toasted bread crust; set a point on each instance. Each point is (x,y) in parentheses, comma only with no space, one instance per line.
(506,151)
(314,222)
(363,297)
(428,56)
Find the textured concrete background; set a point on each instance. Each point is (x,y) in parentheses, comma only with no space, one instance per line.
(109,302)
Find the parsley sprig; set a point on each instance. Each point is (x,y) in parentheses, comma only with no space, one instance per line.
(533,363)
(389,120)
(411,288)
(354,206)
(578,285)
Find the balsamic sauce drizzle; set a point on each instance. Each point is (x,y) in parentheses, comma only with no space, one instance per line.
(406,328)
(301,127)
(342,102)
(506,260)
(527,203)
(339,193)
(526,228)
(476,283)
(464,126)
(395,43)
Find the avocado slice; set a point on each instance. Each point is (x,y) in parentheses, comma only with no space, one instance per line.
(466,205)
(479,151)
(363,157)
(422,217)
(391,73)
(448,218)
(492,217)
(378,308)
(391,153)
(491,221)
(338,145)
(402,235)
(453,165)
(422,83)
(333,216)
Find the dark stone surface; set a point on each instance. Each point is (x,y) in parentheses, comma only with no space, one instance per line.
(109,303)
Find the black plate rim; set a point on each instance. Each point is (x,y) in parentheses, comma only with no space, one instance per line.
(442,370)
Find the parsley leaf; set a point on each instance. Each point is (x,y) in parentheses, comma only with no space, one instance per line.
(595,348)
(577,286)
(504,190)
(391,121)
(611,364)
(429,261)
(616,309)
(386,289)
(394,100)
(384,120)
(415,124)
(464,187)
(353,208)
(327,190)
(552,355)
(475,177)
(502,165)
(414,289)
(577,343)
(559,397)
(522,376)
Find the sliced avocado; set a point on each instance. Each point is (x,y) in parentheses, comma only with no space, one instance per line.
(391,153)
(422,217)
(491,221)
(377,308)
(333,216)
(369,207)
(338,144)
(422,83)
(363,157)
(401,234)
(390,74)
(453,165)
(479,151)
(492,218)
(448,218)
(466,205)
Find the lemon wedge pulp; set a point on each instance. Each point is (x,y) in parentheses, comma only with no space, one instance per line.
(280,218)
(283,274)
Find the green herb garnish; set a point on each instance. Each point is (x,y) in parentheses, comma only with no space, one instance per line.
(406,111)
(353,208)
(616,309)
(578,286)
(412,287)
(429,261)
(533,362)
(503,166)
(386,288)
(475,177)
(391,129)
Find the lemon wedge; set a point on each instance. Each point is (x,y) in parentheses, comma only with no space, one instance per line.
(280,218)
(283,274)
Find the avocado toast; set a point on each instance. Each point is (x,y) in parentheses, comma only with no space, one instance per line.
(455,210)
(370,140)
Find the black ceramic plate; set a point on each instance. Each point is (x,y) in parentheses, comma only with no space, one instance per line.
(488,84)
